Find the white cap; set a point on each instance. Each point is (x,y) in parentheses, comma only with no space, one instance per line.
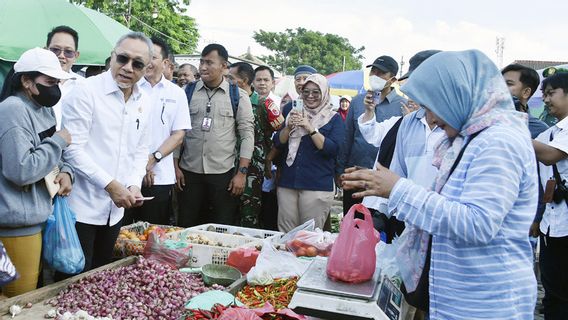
(41,60)
(348,98)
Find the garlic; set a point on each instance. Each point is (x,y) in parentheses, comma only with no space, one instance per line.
(51,314)
(15,310)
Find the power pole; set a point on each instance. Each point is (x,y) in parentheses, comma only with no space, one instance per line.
(499,47)
(401,65)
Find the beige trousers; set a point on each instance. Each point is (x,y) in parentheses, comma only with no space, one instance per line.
(298,206)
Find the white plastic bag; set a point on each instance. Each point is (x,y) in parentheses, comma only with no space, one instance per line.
(411,255)
(273,264)
(309,225)
(386,258)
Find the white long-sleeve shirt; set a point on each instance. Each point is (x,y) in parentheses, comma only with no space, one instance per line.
(110,139)
(373,132)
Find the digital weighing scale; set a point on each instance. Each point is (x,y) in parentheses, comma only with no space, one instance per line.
(318,296)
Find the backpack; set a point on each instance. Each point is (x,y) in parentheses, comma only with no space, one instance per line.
(233,93)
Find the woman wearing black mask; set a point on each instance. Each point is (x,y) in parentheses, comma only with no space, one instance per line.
(29,150)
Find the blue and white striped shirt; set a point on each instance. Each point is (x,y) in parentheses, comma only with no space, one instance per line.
(481,264)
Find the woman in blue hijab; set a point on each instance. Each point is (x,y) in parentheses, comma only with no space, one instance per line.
(479,212)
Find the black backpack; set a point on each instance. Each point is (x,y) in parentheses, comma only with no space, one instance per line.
(233,93)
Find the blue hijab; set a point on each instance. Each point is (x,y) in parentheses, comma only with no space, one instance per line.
(463,88)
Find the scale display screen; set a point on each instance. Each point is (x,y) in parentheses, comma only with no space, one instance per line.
(390,299)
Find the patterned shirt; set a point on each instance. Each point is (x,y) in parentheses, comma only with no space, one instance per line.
(481,264)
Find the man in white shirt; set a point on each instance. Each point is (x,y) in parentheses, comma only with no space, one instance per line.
(169,121)
(108,118)
(551,148)
(64,42)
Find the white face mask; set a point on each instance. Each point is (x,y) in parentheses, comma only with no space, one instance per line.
(377,83)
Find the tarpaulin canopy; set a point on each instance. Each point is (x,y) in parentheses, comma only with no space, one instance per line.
(25,24)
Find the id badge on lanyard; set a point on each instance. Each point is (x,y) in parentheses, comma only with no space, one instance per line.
(207,120)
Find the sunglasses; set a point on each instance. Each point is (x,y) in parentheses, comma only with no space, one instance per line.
(124,59)
(315,93)
(69,54)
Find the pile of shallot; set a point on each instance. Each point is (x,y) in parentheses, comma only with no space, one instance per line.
(144,290)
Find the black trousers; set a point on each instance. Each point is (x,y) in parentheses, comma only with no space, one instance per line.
(203,192)
(155,211)
(97,243)
(349,201)
(554,276)
(269,212)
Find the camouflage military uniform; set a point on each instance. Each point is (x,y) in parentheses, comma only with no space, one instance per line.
(250,206)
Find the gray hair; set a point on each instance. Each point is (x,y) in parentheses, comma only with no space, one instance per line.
(137,36)
(191,67)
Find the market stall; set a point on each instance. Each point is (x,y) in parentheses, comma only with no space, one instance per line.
(284,277)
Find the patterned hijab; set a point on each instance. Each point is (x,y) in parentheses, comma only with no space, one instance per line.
(318,116)
(467,91)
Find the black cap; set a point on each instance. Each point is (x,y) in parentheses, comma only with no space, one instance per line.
(417,59)
(385,64)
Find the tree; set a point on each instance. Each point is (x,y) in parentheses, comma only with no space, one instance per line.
(325,52)
(162,18)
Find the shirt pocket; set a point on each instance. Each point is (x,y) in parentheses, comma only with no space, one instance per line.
(225,120)
(168,112)
(195,119)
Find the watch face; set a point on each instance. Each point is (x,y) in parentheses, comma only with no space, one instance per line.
(158,155)
(243,170)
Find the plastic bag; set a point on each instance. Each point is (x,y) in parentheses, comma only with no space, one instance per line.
(171,252)
(8,272)
(386,260)
(411,256)
(61,247)
(307,226)
(272,264)
(312,243)
(243,259)
(353,257)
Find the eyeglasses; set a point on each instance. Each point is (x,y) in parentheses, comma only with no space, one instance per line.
(69,54)
(315,93)
(124,59)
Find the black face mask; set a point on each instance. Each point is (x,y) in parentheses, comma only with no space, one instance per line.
(48,96)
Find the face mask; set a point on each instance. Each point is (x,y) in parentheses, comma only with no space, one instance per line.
(377,83)
(48,96)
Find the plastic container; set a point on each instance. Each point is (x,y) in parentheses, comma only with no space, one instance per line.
(131,247)
(216,250)
(238,231)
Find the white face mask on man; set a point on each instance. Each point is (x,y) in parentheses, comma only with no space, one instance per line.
(377,83)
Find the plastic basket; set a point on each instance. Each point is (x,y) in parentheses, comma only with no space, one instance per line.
(217,251)
(240,231)
(129,247)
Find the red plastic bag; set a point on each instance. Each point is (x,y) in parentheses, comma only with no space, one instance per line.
(243,259)
(167,251)
(353,257)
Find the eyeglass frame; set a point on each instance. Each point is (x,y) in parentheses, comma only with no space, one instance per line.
(135,61)
(69,54)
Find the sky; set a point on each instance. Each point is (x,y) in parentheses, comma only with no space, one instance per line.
(533,30)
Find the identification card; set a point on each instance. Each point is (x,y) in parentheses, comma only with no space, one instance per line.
(206,124)
(548,195)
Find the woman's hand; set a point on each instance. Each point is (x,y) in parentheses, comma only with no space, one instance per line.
(65,184)
(379,182)
(294,119)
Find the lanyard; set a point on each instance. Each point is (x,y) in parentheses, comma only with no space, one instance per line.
(209,97)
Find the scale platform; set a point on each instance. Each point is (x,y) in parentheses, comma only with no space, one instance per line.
(321,297)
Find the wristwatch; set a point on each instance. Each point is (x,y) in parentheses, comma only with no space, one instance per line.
(314,132)
(243,170)
(158,156)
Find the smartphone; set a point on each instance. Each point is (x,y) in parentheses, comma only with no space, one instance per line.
(298,105)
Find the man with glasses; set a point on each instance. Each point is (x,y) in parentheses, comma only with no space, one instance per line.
(64,42)
(170,120)
(356,151)
(108,117)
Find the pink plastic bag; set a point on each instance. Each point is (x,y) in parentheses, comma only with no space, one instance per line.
(167,251)
(353,257)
